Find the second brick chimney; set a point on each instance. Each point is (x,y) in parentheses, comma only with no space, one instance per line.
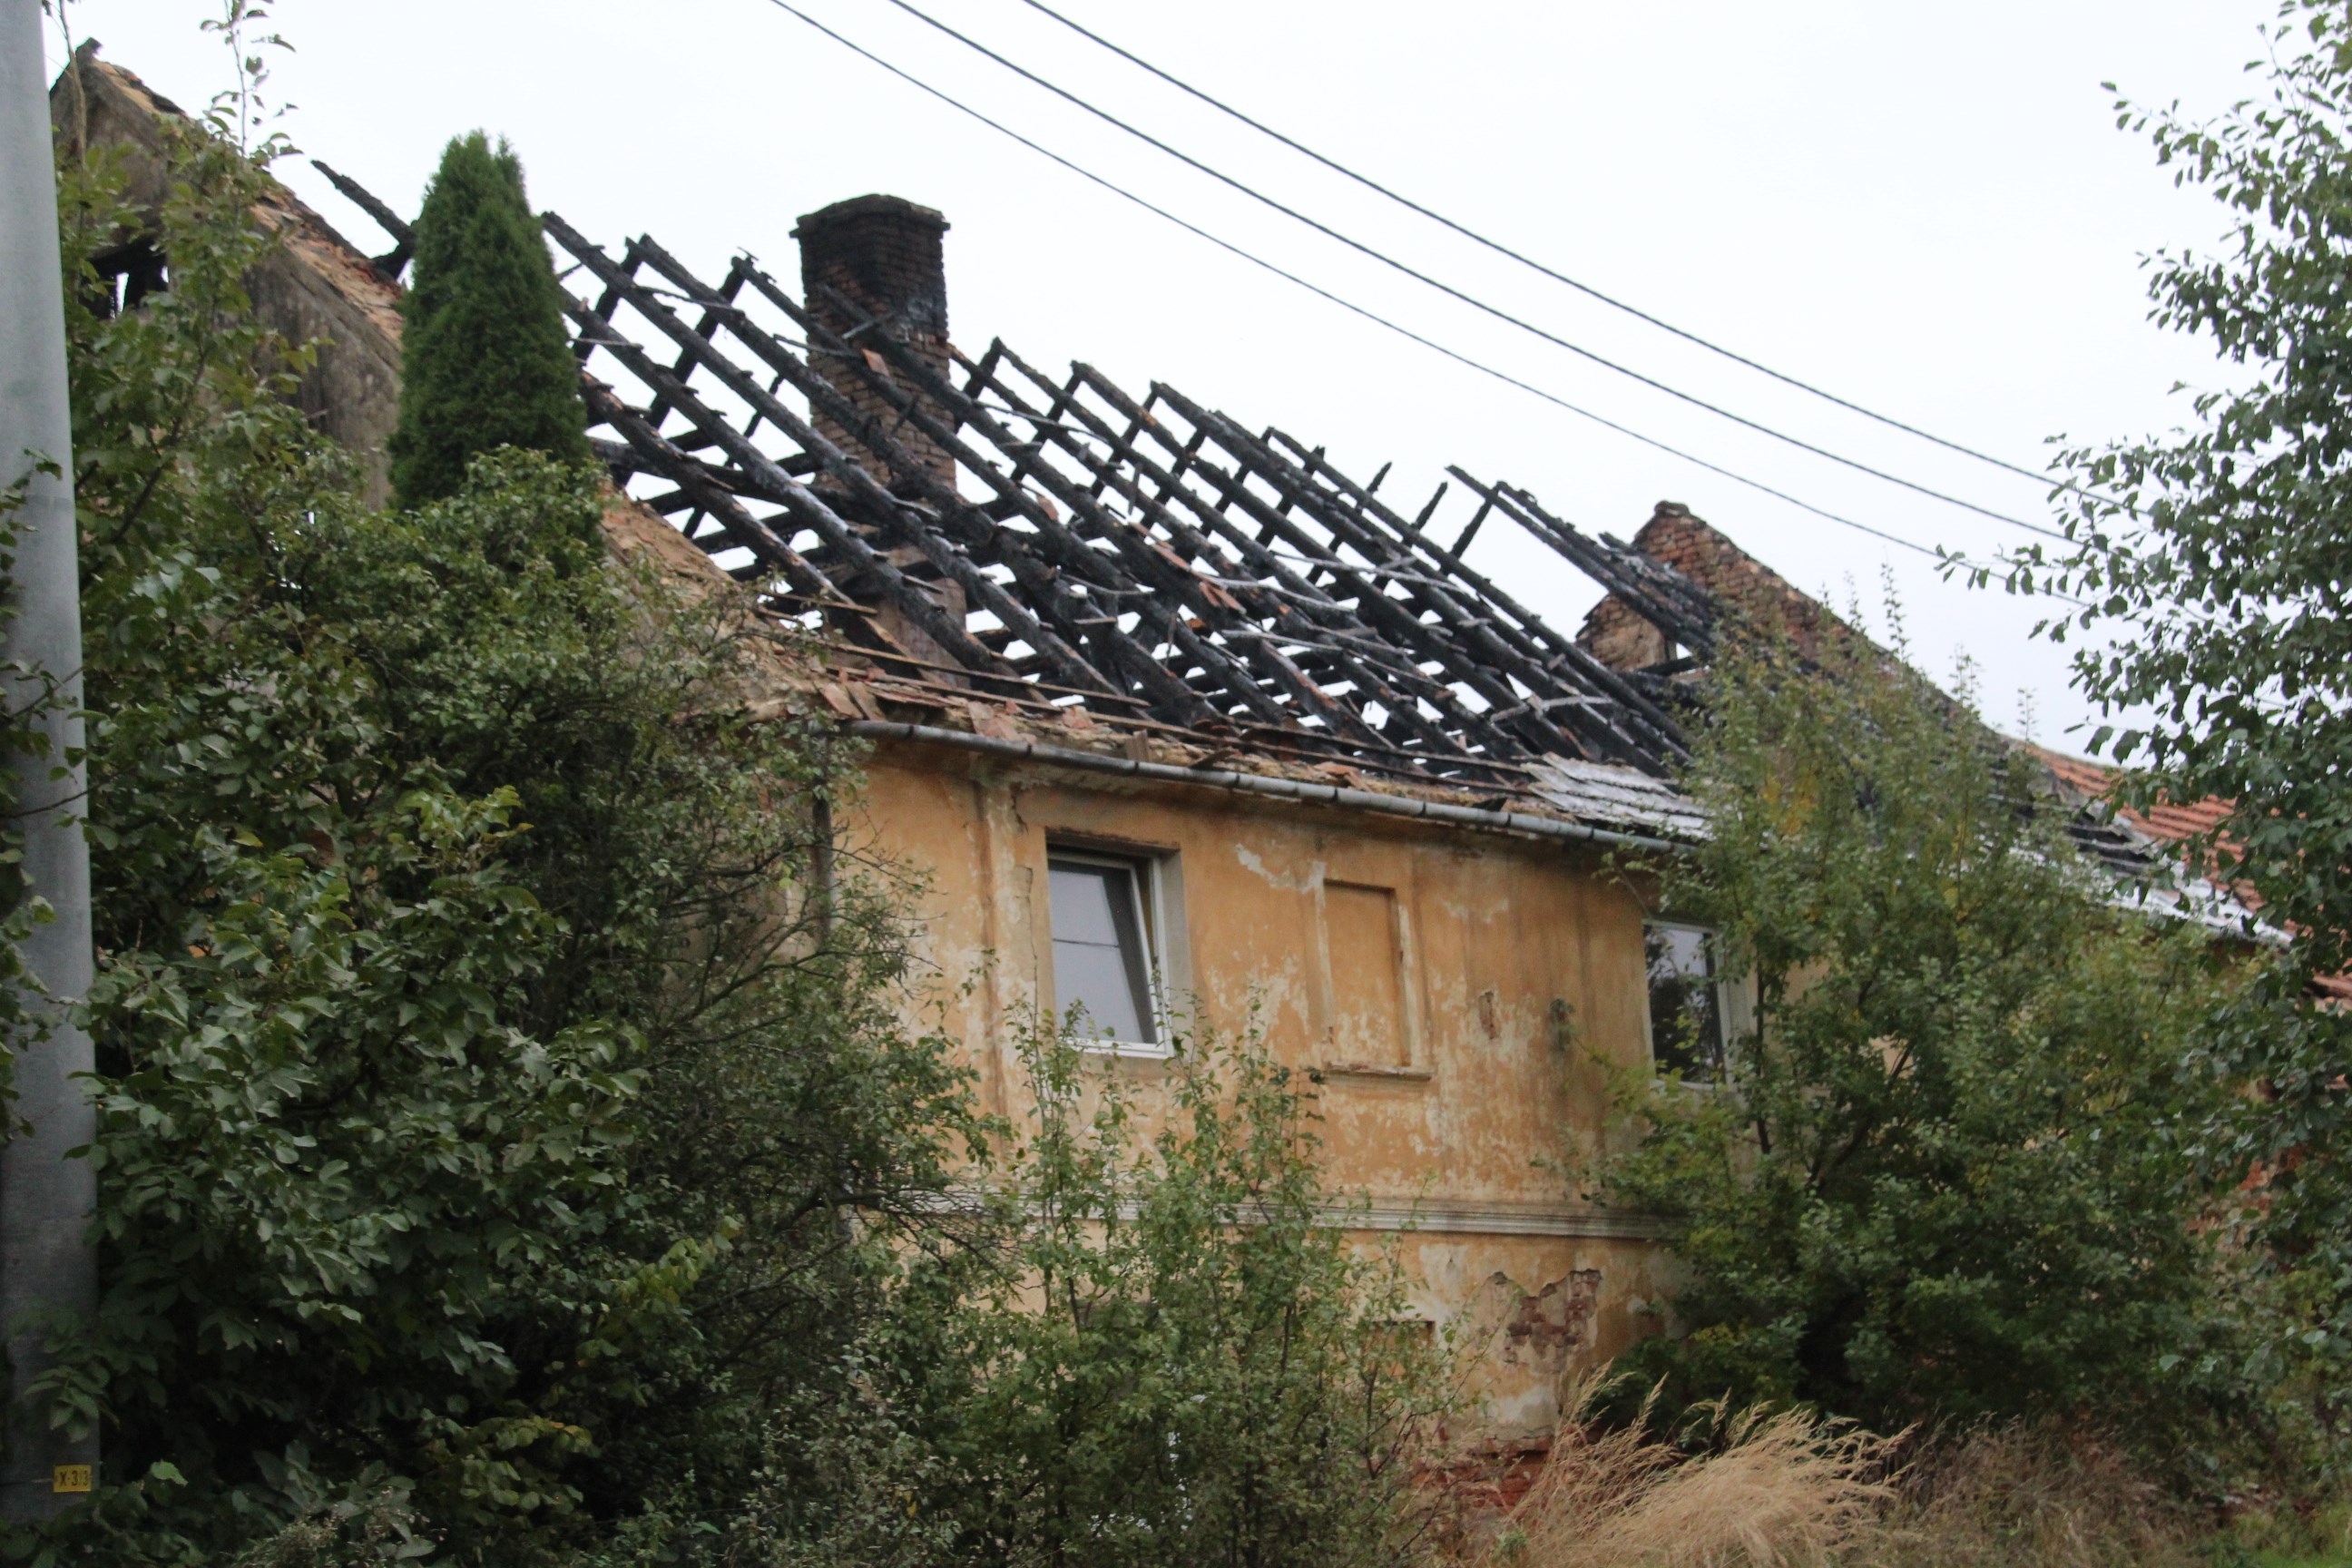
(883,256)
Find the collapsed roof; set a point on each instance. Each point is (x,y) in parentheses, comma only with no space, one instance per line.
(1057,557)
(981,529)
(1055,540)
(1059,547)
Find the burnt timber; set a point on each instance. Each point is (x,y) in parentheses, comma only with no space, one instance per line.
(980,527)
(1148,557)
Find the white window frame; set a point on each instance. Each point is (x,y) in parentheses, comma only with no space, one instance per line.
(1145,867)
(1723,1000)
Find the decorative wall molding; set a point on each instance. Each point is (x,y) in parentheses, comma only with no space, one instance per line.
(1470,1218)
(1453,1217)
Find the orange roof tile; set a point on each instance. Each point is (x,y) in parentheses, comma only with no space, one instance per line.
(2168,823)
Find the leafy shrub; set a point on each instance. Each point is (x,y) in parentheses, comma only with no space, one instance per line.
(482,1080)
(1168,1355)
(1949,1173)
(1241,1383)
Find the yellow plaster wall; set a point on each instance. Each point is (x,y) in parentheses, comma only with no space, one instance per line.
(1521,960)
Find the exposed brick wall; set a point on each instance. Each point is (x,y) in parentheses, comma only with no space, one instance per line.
(1623,640)
(886,256)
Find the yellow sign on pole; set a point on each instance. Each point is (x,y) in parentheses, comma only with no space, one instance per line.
(69,1479)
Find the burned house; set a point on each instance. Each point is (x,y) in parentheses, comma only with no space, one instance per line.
(1181,725)
(1190,729)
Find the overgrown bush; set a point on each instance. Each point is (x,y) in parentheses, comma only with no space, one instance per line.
(1169,1356)
(1251,1387)
(480,1090)
(1948,1173)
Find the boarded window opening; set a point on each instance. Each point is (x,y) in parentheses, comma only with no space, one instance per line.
(1367,975)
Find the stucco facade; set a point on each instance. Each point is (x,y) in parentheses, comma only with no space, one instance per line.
(1462,1050)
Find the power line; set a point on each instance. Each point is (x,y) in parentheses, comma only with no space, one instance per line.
(1465,298)
(1528,261)
(1939,556)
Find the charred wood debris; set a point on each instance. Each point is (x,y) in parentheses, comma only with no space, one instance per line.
(1149,559)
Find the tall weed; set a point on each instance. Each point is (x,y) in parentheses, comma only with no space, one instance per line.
(1773,1489)
(1789,1488)
(2015,1496)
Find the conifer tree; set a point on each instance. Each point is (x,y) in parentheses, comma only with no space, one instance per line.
(486,360)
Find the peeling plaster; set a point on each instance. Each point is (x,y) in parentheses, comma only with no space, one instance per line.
(1250,857)
(1486,943)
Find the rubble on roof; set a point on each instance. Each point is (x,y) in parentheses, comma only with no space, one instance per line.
(1592,792)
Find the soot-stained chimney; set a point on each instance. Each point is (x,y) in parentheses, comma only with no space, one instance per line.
(875,264)
(883,255)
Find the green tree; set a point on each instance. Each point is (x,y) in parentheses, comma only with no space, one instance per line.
(483,1080)
(1946,1171)
(485,360)
(2215,565)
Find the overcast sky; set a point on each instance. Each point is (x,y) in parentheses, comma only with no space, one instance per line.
(1925,208)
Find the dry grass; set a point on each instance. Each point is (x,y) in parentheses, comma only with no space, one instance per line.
(2019,1497)
(1781,1489)
(1786,1489)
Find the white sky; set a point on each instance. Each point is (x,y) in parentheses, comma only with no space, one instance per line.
(1927,209)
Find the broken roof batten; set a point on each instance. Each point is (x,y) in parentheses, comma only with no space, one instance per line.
(1150,558)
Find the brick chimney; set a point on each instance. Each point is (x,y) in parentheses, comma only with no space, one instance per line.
(883,256)
(883,253)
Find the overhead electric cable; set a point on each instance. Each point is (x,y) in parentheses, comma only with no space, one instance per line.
(1941,556)
(1465,298)
(1499,248)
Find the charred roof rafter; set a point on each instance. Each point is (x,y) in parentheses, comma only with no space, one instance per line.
(1149,557)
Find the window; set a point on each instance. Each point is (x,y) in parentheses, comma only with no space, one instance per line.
(128,274)
(1685,1001)
(1103,914)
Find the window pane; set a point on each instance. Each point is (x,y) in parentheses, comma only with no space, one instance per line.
(1100,960)
(1679,950)
(1685,1007)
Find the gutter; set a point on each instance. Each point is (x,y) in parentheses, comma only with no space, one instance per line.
(1255,783)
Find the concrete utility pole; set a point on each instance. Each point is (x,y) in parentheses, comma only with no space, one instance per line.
(46,1262)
